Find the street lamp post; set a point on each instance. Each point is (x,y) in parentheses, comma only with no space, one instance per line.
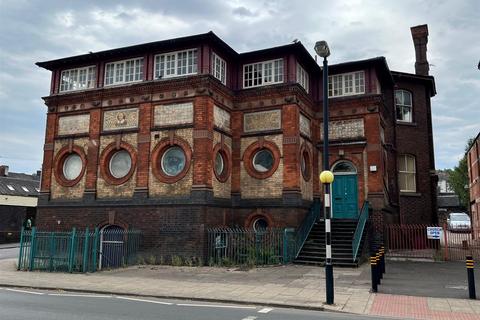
(326,177)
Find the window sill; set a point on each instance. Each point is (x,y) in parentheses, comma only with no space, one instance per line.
(410,194)
(406,123)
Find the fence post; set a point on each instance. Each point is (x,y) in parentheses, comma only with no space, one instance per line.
(471,278)
(52,251)
(20,254)
(32,249)
(72,251)
(85,251)
(95,252)
(445,240)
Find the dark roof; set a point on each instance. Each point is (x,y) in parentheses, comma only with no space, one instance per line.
(473,142)
(428,80)
(380,63)
(448,201)
(297,47)
(208,37)
(17,181)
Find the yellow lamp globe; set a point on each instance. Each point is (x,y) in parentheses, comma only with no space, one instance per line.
(326,176)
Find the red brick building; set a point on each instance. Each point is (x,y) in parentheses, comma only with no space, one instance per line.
(174,136)
(473,163)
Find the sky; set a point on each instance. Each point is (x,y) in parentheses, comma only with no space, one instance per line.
(41,30)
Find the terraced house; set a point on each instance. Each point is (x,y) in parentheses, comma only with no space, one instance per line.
(174,136)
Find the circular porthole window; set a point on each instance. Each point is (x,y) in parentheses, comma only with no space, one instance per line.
(260,225)
(72,167)
(173,161)
(263,160)
(305,165)
(120,164)
(219,164)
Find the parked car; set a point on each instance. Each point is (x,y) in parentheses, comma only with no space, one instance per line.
(459,222)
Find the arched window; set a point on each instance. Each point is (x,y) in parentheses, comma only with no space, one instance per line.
(406,173)
(344,167)
(403,105)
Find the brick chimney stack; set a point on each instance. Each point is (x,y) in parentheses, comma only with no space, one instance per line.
(420,40)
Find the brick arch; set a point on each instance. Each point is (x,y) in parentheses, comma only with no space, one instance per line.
(227,158)
(259,213)
(107,154)
(59,161)
(119,223)
(157,153)
(357,163)
(305,148)
(252,150)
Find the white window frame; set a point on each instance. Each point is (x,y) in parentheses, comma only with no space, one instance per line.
(122,71)
(403,106)
(219,68)
(90,79)
(171,64)
(405,157)
(303,78)
(346,84)
(269,74)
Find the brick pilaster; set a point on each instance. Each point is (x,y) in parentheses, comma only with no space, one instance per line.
(92,153)
(143,152)
(202,143)
(48,150)
(237,129)
(291,148)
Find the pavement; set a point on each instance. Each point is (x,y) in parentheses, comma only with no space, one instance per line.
(282,286)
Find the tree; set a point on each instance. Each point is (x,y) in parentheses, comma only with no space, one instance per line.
(458,178)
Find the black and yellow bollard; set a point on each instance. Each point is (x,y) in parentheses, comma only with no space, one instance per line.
(382,250)
(373,265)
(379,267)
(471,278)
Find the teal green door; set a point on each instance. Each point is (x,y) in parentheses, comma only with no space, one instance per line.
(345,197)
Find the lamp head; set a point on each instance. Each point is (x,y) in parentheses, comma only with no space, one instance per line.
(326,177)
(322,49)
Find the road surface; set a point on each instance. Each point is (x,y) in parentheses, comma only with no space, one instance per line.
(9,253)
(30,304)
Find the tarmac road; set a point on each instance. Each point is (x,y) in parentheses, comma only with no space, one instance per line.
(9,253)
(30,304)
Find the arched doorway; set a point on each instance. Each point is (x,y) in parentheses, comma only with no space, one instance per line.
(345,191)
(111,246)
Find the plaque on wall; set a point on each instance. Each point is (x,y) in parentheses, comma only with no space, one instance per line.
(120,119)
(221,118)
(73,124)
(262,121)
(344,129)
(173,114)
(304,125)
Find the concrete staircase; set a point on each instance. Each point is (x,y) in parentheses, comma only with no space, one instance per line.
(313,251)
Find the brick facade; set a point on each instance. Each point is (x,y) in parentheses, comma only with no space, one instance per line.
(473,163)
(204,117)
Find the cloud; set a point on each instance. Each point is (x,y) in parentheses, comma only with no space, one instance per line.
(42,30)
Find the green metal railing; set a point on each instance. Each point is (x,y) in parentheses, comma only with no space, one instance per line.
(240,246)
(357,236)
(77,251)
(303,231)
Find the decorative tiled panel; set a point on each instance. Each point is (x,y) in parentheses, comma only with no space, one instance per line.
(262,121)
(173,114)
(344,129)
(74,124)
(304,125)
(221,118)
(120,119)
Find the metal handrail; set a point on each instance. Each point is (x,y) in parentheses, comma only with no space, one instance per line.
(357,236)
(303,231)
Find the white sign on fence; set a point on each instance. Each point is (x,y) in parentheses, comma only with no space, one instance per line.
(434,233)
